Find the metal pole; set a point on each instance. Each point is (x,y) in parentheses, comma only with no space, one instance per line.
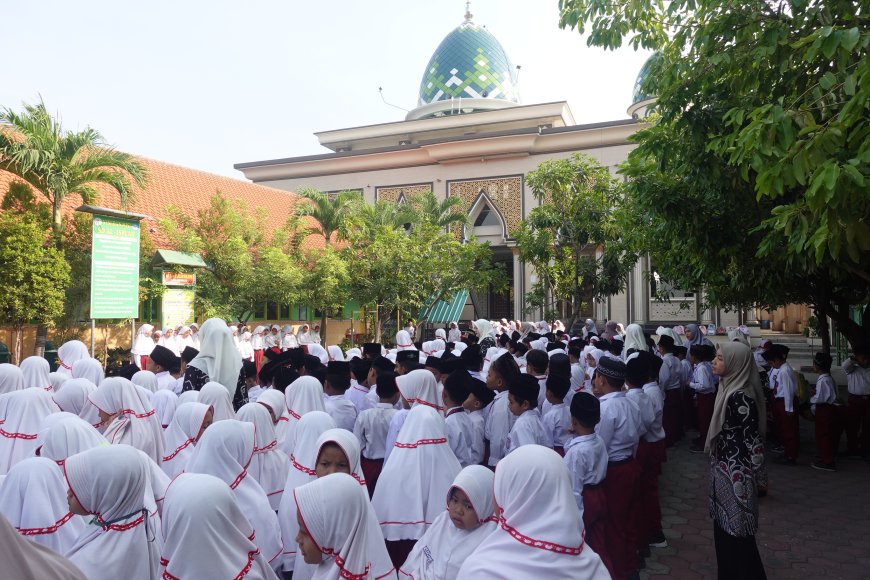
(132,336)
(93,336)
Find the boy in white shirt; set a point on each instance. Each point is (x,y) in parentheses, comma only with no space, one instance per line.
(702,385)
(499,420)
(825,407)
(557,419)
(337,404)
(460,427)
(478,400)
(522,402)
(359,391)
(670,380)
(785,404)
(160,362)
(857,369)
(371,429)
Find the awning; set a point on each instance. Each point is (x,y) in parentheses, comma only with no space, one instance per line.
(445,312)
(172,258)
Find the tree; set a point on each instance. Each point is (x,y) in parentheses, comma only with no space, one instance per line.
(762,134)
(443,213)
(326,283)
(33,276)
(571,238)
(59,163)
(329,213)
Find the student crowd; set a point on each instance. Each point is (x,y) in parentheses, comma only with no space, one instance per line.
(512,451)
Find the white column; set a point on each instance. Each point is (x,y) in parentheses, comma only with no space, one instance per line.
(519,285)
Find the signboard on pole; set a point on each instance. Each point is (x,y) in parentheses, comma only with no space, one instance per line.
(177,307)
(179,278)
(115,268)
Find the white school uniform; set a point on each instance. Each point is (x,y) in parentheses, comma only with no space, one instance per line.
(826,391)
(655,431)
(702,379)
(685,371)
(396,423)
(269,464)
(477,449)
(460,433)
(857,377)
(670,375)
(358,395)
(371,429)
(644,407)
(167,381)
(499,421)
(556,422)
(620,426)
(527,430)
(786,387)
(586,459)
(342,411)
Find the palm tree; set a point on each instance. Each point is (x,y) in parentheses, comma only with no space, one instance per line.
(330,213)
(441,213)
(58,163)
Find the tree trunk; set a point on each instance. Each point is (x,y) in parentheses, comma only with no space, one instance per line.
(17,344)
(57,230)
(824,328)
(856,334)
(323,328)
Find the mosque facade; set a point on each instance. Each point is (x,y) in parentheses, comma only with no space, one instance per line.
(470,137)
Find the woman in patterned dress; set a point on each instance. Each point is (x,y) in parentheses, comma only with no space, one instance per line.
(735,442)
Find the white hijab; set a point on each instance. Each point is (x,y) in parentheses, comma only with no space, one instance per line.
(273,399)
(419,387)
(269,465)
(336,513)
(57,380)
(315,349)
(225,451)
(403,341)
(302,463)
(441,333)
(217,396)
(303,395)
(36,370)
(540,533)
(33,499)
(188,397)
(218,356)
(207,534)
(143,344)
(414,482)
(444,547)
(89,368)
(146,380)
(181,437)
(70,352)
(21,415)
(334,352)
(136,423)
(165,402)
(120,542)
(69,437)
(11,378)
(484,328)
(73,398)
(634,339)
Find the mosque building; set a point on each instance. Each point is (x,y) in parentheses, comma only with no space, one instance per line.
(471,137)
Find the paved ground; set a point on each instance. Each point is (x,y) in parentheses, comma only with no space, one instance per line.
(814,524)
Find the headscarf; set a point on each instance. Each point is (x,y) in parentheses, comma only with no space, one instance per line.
(741,374)
(136,423)
(56,380)
(110,482)
(589,327)
(273,399)
(441,333)
(403,341)
(73,398)
(542,327)
(698,339)
(349,445)
(146,380)
(189,397)
(11,378)
(33,499)
(165,402)
(68,353)
(143,344)
(181,437)
(215,395)
(46,425)
(484,328)
(31,561)
(444,547)
(302,463)
(414,481)
(218,356)
(610,330)
(225,451)
(206,533)
(736,334)
(336,513)
(89,368)
(334,352)
(634,339)
(540,533)
(69,437)
(665,331)
(36,370)
(420,388)
(269,464)
(315,349)
(302,396)
(21,415)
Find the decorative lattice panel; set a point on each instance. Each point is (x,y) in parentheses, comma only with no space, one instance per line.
(394,193)
(504,193)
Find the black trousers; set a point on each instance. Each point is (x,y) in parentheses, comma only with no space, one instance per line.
(737,558)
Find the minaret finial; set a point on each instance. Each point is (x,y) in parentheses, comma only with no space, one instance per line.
(468,14)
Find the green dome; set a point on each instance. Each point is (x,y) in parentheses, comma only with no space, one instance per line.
(639,94)
(470,64)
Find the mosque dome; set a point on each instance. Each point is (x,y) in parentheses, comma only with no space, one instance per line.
(469,64)
(640,100)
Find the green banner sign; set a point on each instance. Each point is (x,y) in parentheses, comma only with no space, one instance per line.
(115,268)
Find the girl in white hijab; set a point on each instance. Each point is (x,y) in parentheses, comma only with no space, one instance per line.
(207,534)
(635,341)
(302,470)
(403,341)
(188,397)
(33,499)
(21,415)
(68,353)
(36,370)
(129,416)
(89,368)
(417,388)
(225,451)
(454,334)
(540,532)
(318,351)
(188,425)
(302,396)
(334,352)
(25,559)
(69,437)
(165,402)
(215,395)
(110,483)
(413,484)
(246,350)
(56,380)
(142,346)
(11,378)
(269,465)
(337,533)
(273,400)
(441,333)
(73,398)
(303,337)
(218,359)
(145,379)
(289,340)
(458,530)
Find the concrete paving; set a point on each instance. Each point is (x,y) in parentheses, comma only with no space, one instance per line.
(814,524)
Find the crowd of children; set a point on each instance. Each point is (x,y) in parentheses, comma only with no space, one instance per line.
(512,451)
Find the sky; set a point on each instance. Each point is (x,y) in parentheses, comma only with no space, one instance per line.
(209,83)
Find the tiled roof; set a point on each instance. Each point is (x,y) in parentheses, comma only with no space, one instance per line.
(190,190)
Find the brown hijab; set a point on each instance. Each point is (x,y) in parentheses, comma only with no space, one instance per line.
(741,374)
